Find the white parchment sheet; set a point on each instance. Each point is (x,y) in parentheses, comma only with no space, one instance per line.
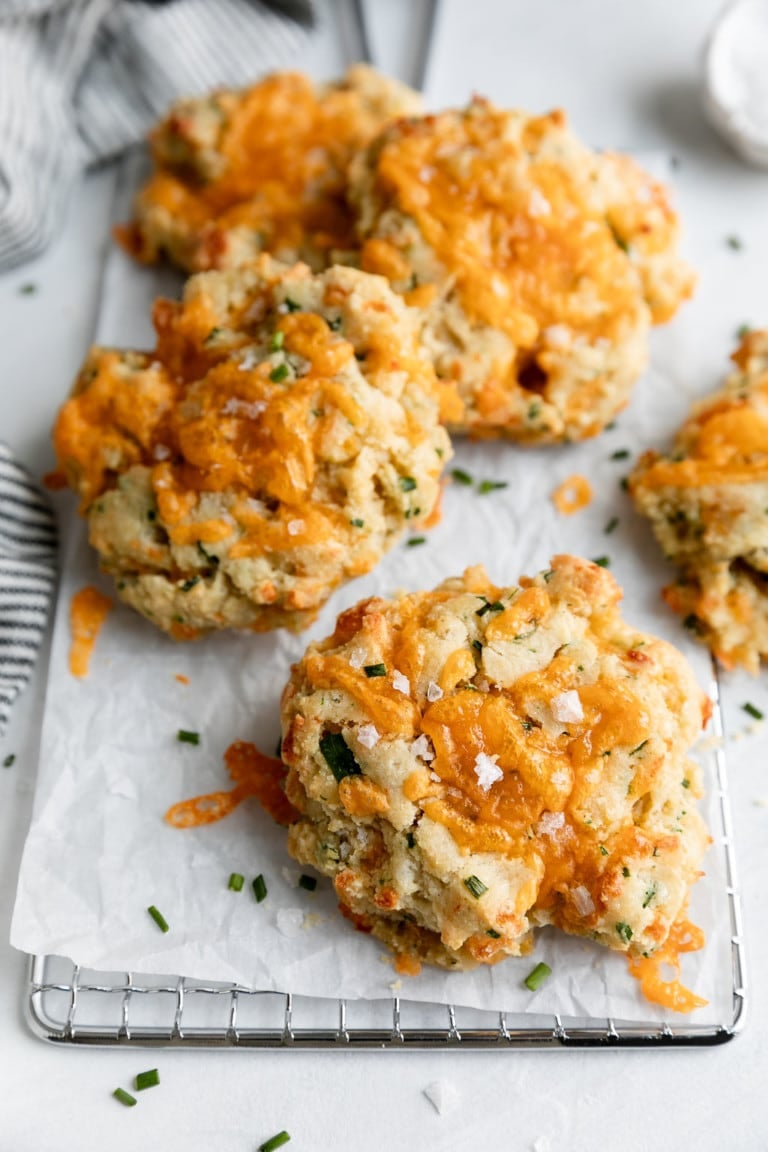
(99,852)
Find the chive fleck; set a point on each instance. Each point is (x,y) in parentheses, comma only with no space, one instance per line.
(291,305)
(692,623)
(158,918)
(735,243)
(602,561)
(28,289)
(750,709)
(410,839)
(624,931)
(259,888)
(548,575)
(148,1079)
(207,555)
(496,606)
(124,1097)
(275,1142)
(486,486)
(374,670)
(189,584)
(338,756)
(462,477)
(185,737)
(477,646)
(212,335)
(624,483)
(236,881)
(407,483)
(279,373)
(612,525)
(686,783)
(603,850)
(536,978)
(639,748)
(494,935)
(309,883)
(475,886)
(415,541)
(625,870)
(743,330)
(9,760)
(334,325)
(649,895)
(356,523)
(277,341)
(151,515)
(620,454)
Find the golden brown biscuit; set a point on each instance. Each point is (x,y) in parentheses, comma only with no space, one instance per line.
(261,170)
(707,501)
(540,264)
(282,436)
(475,761)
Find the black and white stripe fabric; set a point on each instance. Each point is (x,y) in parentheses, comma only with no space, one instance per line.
(27,577)
(80,80)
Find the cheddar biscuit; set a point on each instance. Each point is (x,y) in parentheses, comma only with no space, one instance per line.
(264,169)
(540,265)
(707,501)
(281,437)
(476,761)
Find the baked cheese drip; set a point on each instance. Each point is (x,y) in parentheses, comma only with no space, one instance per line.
(87,612)
(283,434)
(476,761)
(707,499)
(261,169)
(540,264)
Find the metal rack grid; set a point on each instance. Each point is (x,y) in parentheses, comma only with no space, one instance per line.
(67,1004)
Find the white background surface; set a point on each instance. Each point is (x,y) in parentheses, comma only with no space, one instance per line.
(628,76)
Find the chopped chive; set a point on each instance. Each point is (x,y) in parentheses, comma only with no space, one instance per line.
(185,737)
(357,523)
(9,760)
(236,881)
(755,713)
(415,541)
(151,515)
(338,756)
(275,1142)
(639,748)
(279,373)
(624,483)
(602,561)
(612,525)
(497,606)
(649,895)
(624,931)
(259,888)
(603,850)
(207,555)
(494,935)
(309,883)
(620,454)
(461,477)
(477,646)
(158,918)
(735,243)
(149,1079)
(124,1097)
(410,839)
(189,584)
(291,305)
(28,289)
(625,870)
(475,886)
(691,622)
(548,575)
(486,486)
(407,483)
(334,325)
(374,670)
(214,332)
(686,783)
(277,341)
(536,978)
(743,330)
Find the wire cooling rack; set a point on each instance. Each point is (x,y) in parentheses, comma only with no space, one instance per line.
(71,1005)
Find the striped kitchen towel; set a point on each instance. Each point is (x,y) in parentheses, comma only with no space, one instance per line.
(80,80)
(27,577)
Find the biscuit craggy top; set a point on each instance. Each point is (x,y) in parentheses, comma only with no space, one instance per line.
(281,437)
(540,263)
(261,169)
(474,761)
